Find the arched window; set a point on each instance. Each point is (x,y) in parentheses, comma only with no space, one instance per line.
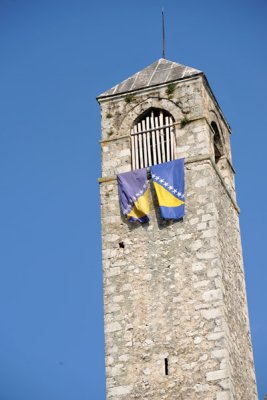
(217,142)
(152,138)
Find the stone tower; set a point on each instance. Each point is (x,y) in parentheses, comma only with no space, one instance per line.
(176,318)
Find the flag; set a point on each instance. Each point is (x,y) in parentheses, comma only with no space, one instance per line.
(168,180)
(134,195)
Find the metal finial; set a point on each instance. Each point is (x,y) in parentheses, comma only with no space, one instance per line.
(163,34)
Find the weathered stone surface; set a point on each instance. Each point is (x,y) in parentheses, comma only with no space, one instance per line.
(175,290)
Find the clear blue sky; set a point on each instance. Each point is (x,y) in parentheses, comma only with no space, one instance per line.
(56,57)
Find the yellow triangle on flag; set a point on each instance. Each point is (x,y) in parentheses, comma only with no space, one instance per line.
(165,198)
(141,206)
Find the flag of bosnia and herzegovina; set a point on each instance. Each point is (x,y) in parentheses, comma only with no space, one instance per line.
(134,195)
(168,179)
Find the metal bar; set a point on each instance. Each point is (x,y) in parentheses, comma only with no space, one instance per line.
(152,124)
(162,136)
(141,165)
(172,129)
(136,148)
(133,150)
(148,143)
(158,140)
(168,142)
(144,143)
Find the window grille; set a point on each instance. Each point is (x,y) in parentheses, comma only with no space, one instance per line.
(153,138)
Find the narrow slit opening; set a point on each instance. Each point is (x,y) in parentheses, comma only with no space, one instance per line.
(166,364)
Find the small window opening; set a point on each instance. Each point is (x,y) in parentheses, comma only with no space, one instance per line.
(121,245)
(153,138)
(217,142)
(166,363)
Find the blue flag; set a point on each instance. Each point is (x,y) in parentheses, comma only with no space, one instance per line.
(134,195)
(168,180)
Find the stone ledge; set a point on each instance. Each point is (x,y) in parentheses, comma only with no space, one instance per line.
(189,160)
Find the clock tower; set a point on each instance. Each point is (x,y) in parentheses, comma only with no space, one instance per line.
(176,318)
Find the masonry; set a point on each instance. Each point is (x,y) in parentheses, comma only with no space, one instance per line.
(176,318)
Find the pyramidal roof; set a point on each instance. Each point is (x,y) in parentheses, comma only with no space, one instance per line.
(161,71)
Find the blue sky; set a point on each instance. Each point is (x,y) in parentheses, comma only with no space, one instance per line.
(56,57)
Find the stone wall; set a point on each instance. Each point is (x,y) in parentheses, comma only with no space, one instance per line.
(235,302)
(173,290)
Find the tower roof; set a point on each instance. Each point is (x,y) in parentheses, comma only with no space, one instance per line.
(161,71)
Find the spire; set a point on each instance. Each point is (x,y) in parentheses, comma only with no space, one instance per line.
(163,34)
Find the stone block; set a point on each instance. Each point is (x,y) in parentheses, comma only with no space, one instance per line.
(223,395)
(120,390)
(212,295)
(217,375)
(211,313)
(112,327)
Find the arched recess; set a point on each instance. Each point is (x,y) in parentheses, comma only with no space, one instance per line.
(217,142)
(162,113)
(152,138)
